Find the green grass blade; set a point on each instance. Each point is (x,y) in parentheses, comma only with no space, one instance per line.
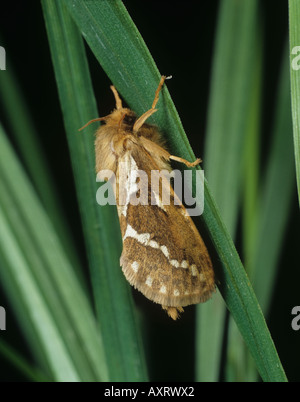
(240,298)
(227,120)
(101,228)
(228,125)
(294,33)
(20,363)
(251,165)
(210,325)
(27,139)
(239,365)
(59,359)
(274,205)
(36,273)
(115,42)
(267,215)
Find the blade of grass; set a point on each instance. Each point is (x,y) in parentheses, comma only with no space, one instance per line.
(116,42)
(251,157)
(101,229)
(227,128)
(36,274)
(10,288)
(294,33)
(209,339)
(240,365)
(227,121)
(16,360)
(265,213)
(240,299)
(273,208)
(25,134)
(37,312)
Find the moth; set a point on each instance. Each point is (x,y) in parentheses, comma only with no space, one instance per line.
(163,256)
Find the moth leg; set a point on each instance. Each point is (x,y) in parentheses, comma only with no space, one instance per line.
(187,163)
(161,83)
(141,120)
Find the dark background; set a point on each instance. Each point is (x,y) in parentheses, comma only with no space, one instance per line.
(180,36)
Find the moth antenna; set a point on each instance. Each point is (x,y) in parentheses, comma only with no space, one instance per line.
(93,121)
(117,98)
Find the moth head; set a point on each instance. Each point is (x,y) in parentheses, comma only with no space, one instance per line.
(123,119)
(120,118)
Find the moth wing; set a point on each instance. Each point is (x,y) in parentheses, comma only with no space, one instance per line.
(163,256)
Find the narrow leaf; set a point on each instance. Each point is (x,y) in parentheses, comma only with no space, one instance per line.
(101,228)
(294,33)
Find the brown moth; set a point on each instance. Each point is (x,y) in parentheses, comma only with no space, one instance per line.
(163,256)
